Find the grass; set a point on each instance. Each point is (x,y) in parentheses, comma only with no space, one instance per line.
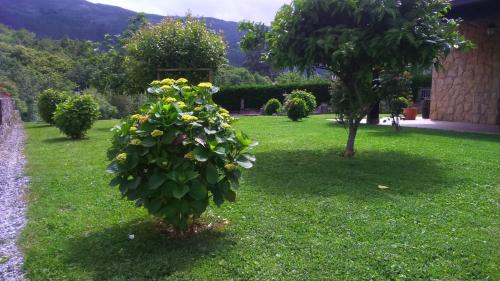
(303,213)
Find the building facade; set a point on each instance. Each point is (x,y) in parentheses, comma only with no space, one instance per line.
(467,88)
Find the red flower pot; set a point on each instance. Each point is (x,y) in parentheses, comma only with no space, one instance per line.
(410,113)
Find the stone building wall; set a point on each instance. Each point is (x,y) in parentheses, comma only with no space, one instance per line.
(468,88)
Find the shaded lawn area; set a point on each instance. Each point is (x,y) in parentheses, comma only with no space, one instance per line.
(302,213)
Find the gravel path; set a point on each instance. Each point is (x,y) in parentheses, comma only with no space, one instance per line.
(12,204)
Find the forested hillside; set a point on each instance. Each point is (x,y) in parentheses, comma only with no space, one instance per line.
(79,19)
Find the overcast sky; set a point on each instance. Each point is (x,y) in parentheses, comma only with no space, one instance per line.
(233,10)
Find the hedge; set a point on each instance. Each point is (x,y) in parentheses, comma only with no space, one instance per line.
(256,96)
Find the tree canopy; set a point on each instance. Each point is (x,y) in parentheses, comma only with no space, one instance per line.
(358,40)
(173,43)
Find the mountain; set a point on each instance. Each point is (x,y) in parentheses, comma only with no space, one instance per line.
(79,19)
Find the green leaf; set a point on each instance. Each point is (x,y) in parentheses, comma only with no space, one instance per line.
(218,199)
(199,206)
(131,184)
(148,142)
(211,174)
(116,181)
(153,206)
(169,137)
(200,154)
(249,156)
(180,190)
(220,150)
(230,195)
(198,191)
(243,139)
(113,168)
(157,180)
(244,162)
(210,132)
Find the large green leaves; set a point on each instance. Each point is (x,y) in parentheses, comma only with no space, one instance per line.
(169,158)
(156,180)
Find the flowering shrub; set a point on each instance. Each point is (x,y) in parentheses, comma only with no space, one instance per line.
(75,116)
(296,109)
(272,106)
(306,96)
(179,151)
(47,102)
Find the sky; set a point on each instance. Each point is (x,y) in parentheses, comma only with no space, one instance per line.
(232,10)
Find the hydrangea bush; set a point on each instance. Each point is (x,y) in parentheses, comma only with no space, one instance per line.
(272,106)
(76,115)
(296,109)
(179,152)
(306,96)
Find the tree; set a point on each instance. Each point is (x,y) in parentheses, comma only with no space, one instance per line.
(230,75)
(255,46)
(173,43)
(359,39)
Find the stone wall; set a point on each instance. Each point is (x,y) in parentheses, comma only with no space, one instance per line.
(8,114)
(468,88)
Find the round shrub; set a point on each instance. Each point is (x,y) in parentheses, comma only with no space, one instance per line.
(396,105)
(272,106)
(178,152)
(47,102)
(75,116)
(306,96)
(296,109)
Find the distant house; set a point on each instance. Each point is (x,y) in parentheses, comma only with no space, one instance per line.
(468,88)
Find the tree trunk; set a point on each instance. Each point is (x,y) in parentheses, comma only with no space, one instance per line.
(353,129)
(373,115)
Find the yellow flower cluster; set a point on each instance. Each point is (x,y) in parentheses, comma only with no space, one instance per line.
(166,87)
(189,118)
(156,83)
(121,157)
(186,88)
(230,167)
(225,125)
(181,81)
(135,116)
(206,85)
(198,108)
(143,118)
(181,104)
(169,99)
(168,81)
(189,155)
(156,133)
(132,130)
(135,142)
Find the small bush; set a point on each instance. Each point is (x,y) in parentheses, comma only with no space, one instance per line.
(306,96)
(272,106)
(47,103)
(296,109)
(75,116)
(397,105)
(179,152)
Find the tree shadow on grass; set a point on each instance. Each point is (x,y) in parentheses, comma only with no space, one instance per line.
(409,132)
(63,139)
(111,255)
(326,173)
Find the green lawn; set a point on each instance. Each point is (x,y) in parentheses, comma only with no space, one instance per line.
(303,213)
